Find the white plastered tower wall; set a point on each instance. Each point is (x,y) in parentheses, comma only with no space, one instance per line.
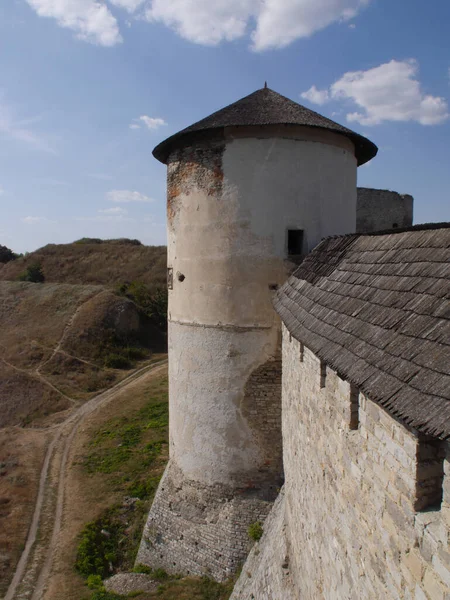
(231,201)
(233,204)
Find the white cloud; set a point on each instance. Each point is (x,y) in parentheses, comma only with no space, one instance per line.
(205,22)
(272,23)
(316,96)
(115,210)
(34,220)
(90,19)
(129,5)
(126,196)
(18,130)
(389,92)
(280,22)
(2,191)
(277,23)
(149,122)
(152,123)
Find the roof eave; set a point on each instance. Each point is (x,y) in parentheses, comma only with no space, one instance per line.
(365,150)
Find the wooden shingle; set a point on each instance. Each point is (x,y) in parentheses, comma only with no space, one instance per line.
(376,309)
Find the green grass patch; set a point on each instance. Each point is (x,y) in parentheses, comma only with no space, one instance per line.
(194,588)
(255,531)
(128,443)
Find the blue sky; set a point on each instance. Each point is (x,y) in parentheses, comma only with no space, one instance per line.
(89,87)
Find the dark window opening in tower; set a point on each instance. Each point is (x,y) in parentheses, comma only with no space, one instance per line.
(295,242)
(394,225)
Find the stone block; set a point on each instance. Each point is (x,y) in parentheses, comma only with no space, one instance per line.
(441,564)
(433,587)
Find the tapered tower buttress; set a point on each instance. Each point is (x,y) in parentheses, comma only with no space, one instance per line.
(250,190)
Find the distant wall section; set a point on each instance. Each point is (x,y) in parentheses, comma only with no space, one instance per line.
(377,210)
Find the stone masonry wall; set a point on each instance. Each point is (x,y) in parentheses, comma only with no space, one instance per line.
(266,571)
(196,529)
(367,502)
(261,407)
(377,210)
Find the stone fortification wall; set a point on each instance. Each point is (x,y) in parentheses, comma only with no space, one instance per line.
(362,510)
(377,210)
(198,529)
(266,573)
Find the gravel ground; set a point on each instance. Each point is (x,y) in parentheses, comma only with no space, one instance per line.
(124,583)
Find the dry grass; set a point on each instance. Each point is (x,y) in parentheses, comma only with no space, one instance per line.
(92,492)
(60,335)
(21,455)
(101,477)
(54,339)
(104,264)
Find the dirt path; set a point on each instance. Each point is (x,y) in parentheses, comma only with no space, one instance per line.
(61,443)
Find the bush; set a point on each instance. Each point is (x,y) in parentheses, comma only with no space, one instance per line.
(6,255)
(255,531)
(117,361)
(152,301)
(33,273)
(97,549)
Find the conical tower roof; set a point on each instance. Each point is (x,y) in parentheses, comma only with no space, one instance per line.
(263,107)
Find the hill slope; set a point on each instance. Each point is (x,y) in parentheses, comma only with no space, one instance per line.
(102,262)
(58,343)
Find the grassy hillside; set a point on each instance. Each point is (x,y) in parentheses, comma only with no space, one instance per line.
(61,343)
(89,261)
(119,458)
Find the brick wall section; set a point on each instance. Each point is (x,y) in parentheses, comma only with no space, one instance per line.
(200,530)
(377,210)
(261,408)
(351,523)
(266,574)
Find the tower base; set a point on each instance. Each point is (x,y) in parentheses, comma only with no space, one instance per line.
(195,529)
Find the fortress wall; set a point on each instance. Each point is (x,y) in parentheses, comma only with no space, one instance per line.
(357,515)
(377,210)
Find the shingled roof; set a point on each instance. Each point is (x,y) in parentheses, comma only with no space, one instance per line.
(376,309)
(263,107)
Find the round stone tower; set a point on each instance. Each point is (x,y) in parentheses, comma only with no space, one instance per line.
(251,189)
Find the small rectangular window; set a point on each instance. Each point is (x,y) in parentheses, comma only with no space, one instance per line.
(170,278)
(295,242)
(323,374)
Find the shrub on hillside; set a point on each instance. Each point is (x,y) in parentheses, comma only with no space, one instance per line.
(97,551)
(117,361)
(33,273)
(6,254)
(118,241)
(152,301)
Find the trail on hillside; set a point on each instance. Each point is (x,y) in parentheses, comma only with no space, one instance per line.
(63,437)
